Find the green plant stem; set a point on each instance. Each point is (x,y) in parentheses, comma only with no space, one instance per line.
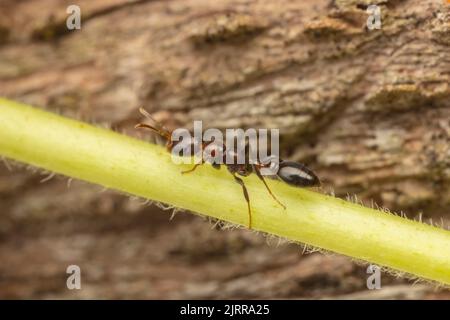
(116,161)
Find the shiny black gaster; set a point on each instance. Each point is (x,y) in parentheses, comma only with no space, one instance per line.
(297,174)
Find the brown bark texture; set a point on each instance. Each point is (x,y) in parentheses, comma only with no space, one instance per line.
(368,110)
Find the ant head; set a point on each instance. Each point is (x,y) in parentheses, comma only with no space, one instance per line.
(297,174)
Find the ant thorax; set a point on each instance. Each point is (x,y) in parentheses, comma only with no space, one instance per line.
(239,147)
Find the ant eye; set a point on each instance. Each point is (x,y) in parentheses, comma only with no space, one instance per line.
(297,174)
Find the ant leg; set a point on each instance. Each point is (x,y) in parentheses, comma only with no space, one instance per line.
(258,173)
(244,189)
(193,168)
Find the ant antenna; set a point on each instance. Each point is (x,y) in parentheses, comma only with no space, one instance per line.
(159,128)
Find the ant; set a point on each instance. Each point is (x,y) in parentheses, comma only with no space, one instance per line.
(293,173)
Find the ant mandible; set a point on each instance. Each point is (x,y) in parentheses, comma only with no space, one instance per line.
(293,173)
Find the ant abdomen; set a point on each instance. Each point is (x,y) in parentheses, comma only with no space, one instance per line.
(297,174)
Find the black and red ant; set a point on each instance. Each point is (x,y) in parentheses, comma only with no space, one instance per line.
(293,173)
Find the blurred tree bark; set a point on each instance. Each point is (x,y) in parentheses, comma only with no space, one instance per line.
(369,110)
